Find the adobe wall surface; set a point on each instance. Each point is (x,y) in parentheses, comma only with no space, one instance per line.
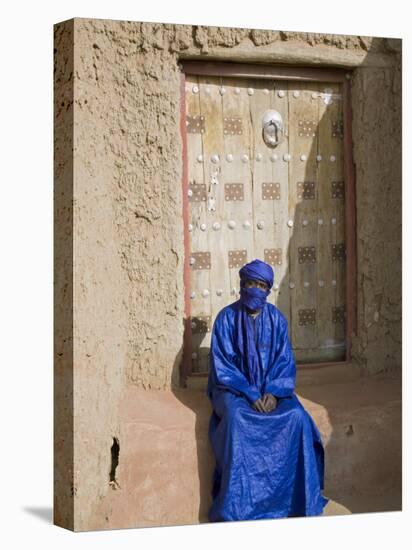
(119,84)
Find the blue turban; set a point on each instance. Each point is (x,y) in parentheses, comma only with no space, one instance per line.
(258,270)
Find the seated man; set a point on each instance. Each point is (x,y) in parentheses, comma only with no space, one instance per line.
(268,450)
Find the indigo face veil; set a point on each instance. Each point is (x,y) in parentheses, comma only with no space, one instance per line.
(255,298)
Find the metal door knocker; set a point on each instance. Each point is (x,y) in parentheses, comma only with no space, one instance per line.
(272,128)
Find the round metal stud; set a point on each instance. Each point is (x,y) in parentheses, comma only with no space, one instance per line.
(246,224)
(259,156)
(333,220)
(190,227)
(194,355)
(215,158)
(229,157)
(237,91)
(203,226)
(261,224)
(296,93)
(207,90)
(281,93)
(291,285)
(333,282)
(290,223)
(199,158)
(205,293)
(189,193)
(306,284)
(245,158)
(250,91)
(321,283)
(286,157)
(265,91)
(302,157)
(320,221)
(192,261)
(216,226)
(219,292)
(273,157)
(222,91)
(192,295)
(232,224)
(332,158)
(314,95)
(318,158)
(195,89)
(305,222)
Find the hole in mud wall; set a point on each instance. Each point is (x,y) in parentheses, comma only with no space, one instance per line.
(115,448)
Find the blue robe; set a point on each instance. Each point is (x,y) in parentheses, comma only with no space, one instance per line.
(268,465)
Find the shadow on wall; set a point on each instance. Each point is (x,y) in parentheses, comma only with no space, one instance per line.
(342,417)
(198,402)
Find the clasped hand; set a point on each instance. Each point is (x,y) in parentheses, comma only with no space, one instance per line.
(266,403)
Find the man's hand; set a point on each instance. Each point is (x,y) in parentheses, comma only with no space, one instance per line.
(266,403)
(270,402)
(258,405)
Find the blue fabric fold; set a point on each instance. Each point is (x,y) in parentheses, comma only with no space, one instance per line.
(268,465)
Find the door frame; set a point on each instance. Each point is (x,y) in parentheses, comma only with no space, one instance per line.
(277,72)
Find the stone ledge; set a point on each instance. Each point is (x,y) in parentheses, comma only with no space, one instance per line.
(166,462)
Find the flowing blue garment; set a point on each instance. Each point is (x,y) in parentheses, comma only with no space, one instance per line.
(268,465)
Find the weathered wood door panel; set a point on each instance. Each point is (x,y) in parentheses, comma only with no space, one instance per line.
(284,205)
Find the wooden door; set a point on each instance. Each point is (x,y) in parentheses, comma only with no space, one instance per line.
(284,205)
